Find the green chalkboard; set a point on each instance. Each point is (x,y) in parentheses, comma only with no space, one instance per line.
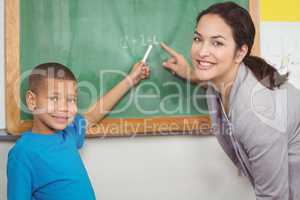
(101,39)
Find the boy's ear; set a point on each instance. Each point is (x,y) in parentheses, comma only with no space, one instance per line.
(241,53)
(31,100)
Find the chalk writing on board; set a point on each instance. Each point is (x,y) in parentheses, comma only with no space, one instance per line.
(141,40)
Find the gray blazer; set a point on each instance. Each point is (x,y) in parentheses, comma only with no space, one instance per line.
(261,134)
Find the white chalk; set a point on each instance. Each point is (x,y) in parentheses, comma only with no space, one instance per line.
(147,53)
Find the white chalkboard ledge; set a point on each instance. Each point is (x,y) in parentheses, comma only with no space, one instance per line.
(4,136)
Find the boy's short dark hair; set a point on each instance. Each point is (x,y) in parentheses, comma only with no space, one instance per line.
(48,70)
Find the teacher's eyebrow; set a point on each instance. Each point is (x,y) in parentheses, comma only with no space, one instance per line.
(218,36)
(214,37)
(197,33)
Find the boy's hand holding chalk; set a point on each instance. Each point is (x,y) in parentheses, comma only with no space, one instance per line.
(140,70)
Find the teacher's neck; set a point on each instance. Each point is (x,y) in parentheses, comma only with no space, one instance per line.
(224,85)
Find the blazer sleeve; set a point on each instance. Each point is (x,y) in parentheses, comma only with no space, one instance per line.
(266,149)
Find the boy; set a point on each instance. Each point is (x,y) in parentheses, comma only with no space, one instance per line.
(45,164)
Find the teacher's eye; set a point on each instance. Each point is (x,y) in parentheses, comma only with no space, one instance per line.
(217,44)
(197,39)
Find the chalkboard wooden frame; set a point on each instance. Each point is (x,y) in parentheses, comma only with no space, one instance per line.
(109,127)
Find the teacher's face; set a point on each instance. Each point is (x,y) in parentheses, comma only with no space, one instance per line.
(213,51)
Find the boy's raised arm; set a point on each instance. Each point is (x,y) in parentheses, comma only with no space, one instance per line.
(97,111)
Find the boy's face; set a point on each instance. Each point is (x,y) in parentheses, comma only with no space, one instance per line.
(53,105)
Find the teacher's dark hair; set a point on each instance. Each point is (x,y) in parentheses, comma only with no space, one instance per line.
(243,31)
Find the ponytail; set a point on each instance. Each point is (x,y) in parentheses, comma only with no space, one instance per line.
(266,74)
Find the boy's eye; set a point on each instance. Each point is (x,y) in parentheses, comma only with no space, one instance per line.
(72,100)
(54,99)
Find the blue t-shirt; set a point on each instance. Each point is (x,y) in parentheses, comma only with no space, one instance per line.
(49,167)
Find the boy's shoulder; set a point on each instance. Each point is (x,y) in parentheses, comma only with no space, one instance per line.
(77,130)
(22,148)
(29,143)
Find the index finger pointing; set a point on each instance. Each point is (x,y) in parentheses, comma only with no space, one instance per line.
(169,50)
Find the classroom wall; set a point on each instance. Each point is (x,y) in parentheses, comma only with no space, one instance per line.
(160,168)
(147,168)
(279,34)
